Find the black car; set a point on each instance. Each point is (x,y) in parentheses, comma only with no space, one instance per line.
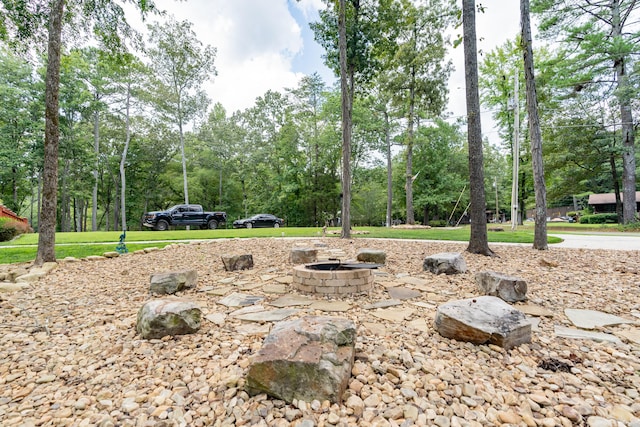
(260,220)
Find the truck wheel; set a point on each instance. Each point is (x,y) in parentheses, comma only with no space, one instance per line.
(212,224)
(162,225)
(249,225)
(276,225)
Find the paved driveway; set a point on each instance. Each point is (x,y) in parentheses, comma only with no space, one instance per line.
(617,241)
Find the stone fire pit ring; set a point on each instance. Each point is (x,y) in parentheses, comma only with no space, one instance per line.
(334,278)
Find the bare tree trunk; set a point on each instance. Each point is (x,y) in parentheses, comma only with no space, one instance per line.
(626,116)
(409,153)
(539,186)
(47,224)
(389,170)
(123,178)
(616,187)
(478,241)
(96,150)
(346,123)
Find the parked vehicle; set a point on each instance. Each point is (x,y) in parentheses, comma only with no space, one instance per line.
(260,220)
(183,215)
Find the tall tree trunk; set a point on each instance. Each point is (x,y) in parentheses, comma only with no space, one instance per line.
(409,152)
(123,178)
(387,135)
(616,186)
(47,225)
(539,186)
(346,123)
(626,116)
(478,242)
(96,150)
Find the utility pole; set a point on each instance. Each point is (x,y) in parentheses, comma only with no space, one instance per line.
(515,155)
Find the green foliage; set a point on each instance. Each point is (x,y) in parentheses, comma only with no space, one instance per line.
(438,223)
(603,218)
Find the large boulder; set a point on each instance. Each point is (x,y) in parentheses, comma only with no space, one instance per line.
(445,262)
(374,256)
(158,318)
(306,359)
(237,262)
(303,255)
(483,320)
(174,281)
(508,288)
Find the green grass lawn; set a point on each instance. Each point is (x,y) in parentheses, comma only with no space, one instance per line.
(96,243)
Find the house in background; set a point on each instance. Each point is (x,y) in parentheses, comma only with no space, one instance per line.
(606,202)
(8,213)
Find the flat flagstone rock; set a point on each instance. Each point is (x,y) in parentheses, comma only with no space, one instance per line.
(250,286)
(565,332)
(227,281)
(591,319)
(305,359)
(445,262)
(632,335)
(246,310)
(483,320)
(275,289)
(422,304)
(216,318)
(284,279)
(419,324)
(268,315)
(237,299)
(382,304)
(534,310)
(220,291)
(414,281)
(403,293)
(292,301)
(338,306)
(394,314)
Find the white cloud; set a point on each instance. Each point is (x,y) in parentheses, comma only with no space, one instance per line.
(256,42)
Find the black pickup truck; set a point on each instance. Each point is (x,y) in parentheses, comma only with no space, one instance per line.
(183,215)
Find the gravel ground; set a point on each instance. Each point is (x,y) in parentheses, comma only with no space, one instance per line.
(70,356)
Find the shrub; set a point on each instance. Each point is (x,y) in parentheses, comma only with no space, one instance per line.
(603,218)
(10,229)
(438,223)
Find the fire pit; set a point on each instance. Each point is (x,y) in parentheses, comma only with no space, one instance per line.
(334,278)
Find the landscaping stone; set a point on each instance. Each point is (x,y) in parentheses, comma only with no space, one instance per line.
(509,288)
(445,262)
(237,299)
(305,359)
(581,334)
(591,319)
(171,282)
(400,293)
(237,262)
(159,318)
(483,320)
(303,255)
(374,256)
